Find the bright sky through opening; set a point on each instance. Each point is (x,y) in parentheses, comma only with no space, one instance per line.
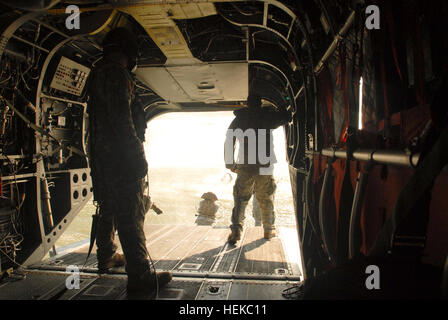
(195,140)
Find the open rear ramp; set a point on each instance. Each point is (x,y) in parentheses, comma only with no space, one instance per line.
(204,267)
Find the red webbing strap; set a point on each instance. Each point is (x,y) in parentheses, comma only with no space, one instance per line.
(392,37)
(338,173)
(327,92)
(385,99)
(326,107)
(419,61)
(344,211)
(342,83)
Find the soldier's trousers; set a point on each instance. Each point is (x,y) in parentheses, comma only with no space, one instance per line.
(123,210)
(256,212)
(264,187)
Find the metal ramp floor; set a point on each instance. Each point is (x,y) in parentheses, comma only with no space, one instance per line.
(203,264)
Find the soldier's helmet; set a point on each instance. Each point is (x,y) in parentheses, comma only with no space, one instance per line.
(209,196)
(121,39)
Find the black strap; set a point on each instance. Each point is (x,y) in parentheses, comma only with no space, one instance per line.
(417,187)
(95,219)
(346,201)
(345,206)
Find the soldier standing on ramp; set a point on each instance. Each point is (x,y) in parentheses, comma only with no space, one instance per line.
(253,128)
(118,165)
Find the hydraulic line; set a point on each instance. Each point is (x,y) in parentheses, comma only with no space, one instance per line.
(323,223)
(47,205)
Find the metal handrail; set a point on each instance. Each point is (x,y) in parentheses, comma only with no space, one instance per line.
(391,157)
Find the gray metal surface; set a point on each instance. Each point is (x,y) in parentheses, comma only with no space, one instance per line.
(51,285)
(203,251)
(203,264)
(198,81)
(392,157)
(257,290)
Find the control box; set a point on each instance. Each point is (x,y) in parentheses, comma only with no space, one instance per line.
(70,77)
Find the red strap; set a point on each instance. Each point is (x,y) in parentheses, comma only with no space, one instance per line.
(326,105)
(412,21)
(343,67)
(419,64)
(393,40)
(386,101)
(328,96)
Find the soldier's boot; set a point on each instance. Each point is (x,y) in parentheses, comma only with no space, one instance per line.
(115,261)
(234,236)
(269,234)
(147,285)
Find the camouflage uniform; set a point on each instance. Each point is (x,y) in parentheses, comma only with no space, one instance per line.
(249,180)
(264,185)
(256,213)
(118,166)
